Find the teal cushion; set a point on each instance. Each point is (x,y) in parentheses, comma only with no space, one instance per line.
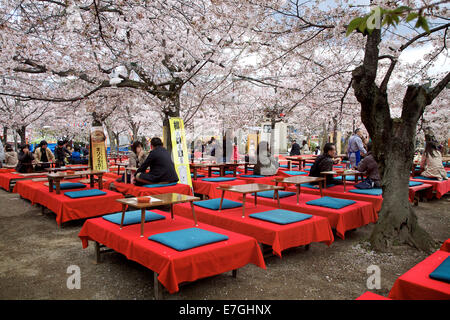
(280,216)
(219,179)
(415,183)
(270,193)
(315,186)
(158,185)
(347,178)
(84,193)
(424,178)
(442,272)
(371,192)
(185,239)
(330,202)
(309,164)
(226,172)
(132,217)
(70,185)
(448,174)
(198,175)
(214,204)
(296,173)
(307,169)
(286,166)
(251,176)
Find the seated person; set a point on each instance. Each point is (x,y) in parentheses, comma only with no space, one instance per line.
(431,163)
(305,147)
(370,167)
(161,166)
(135,159)
(43,154)
(295,149)
(60,154)
(26,158)
(75,157)
(10,156)
(325,162)
(266,164)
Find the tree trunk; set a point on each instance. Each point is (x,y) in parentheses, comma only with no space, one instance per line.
(5,135)
(22,134)
(173,111)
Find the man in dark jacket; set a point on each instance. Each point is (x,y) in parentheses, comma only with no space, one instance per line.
(26,159)
(161,166)
(370,167)
(325,162)
(60,154)
(295,150)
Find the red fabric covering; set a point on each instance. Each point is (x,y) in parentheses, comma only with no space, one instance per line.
(174,267)
(65,208)
(112,175)
(351,217)
(371,296)
(446,246)
(210,188)
(265,180)
(441,187)
(416,284)
(128,188)
(6,170)
(280,237)
(428,193)
(5,178)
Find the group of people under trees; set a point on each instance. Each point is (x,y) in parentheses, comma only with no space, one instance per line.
(26,161)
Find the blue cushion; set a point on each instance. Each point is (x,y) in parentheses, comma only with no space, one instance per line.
(347,178)
(70,185)
(219,179)
(158,185)
(280,216)
(330,202)
(251,176)
(448,174)
(270,193)
(315,186)
(84,193)
(338,166)
(307,169)
(371,192)
(286,166)
(185,239)
(249,169)
(132,217)
(442,272)
(214,204)
(296,173)
(198,175)
(424,178)
(309,164)
(415,183)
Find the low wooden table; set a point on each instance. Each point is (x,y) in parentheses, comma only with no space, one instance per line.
(344,174)
(249,188)
(121,164)
(165,199)
(222,167)
(55,178)
(195,167)
(131,169)
(298,180)
(67,168)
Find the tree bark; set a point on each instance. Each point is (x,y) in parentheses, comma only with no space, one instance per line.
(22,134)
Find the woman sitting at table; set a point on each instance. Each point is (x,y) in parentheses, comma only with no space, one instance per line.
(135,159)
(26,159)
(370,167)
(325,162)
(10,156)
(266,165)
(42,155)
(431,163)
(161,166)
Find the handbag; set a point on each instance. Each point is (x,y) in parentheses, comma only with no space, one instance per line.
(366,184)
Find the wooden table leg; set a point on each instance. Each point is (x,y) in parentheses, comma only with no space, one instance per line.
(118,170)
(142,221)
(256,198)
(125,178)
(193,213)
(209,171)
(171,211)
(245,168)
(344,180)
(58,186)
(195,173)
(124,207)
(298,193)
(97,253)
(50,184)
(289,165)
(234,273)
(234,171)
(91,180)
(100,181)
(243,205)
(278,197)
(222,171)
(221,200)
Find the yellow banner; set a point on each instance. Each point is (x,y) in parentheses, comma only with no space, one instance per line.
(98,156)
(179,151)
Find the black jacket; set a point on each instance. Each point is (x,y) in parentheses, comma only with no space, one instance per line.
(25,162)
(323,163)
(295,150)
(161,166)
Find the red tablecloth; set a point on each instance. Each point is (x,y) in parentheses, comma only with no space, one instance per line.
(416,284)
(371,296)
(280,237)
(65,208)
(210,188)
(351,217)
(131,189)
(446,246)
(5,178)
(6,170)
(265,180)
(441,187)
(428,191)
(174,267)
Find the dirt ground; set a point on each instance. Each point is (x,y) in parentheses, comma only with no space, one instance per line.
(35,255)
